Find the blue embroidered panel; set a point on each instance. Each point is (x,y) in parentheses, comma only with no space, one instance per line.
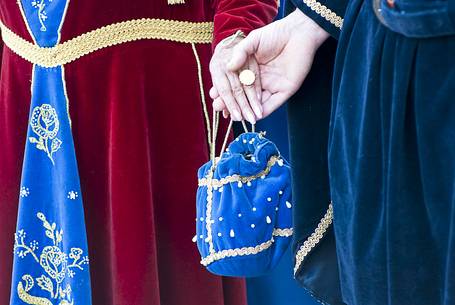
(44,19)
(51,265)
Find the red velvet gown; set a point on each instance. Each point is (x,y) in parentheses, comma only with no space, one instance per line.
(140,137)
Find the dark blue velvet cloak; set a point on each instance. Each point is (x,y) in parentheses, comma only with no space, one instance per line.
(391,156)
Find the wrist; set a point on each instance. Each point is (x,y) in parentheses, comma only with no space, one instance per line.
(303,25)
(231,41)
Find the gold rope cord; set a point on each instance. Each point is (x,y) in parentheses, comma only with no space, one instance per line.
(202,93)
(110,35)
(314,239)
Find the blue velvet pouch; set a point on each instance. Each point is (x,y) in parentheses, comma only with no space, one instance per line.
(244,209)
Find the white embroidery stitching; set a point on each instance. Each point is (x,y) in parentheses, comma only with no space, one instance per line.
(24,192)
(40,5)
(56,264)
(45,124)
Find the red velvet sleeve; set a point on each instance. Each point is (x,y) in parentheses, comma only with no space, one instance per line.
(244,15)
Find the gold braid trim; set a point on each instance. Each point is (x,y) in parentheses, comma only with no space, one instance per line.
(208,213)
(172,2)
(236,178)
(110,35)
(282,232)
(245,250)
(325,12)
(314,239)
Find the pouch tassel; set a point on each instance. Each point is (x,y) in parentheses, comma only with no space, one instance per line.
(172,2)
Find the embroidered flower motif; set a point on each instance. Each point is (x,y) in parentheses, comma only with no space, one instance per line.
(24,192)
(45,124)
(72,195)
(40,5)
(56,264)
(53,261)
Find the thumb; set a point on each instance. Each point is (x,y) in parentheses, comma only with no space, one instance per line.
(242,51)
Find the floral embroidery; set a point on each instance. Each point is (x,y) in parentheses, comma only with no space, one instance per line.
(72,195)
(40,5)
(24,192)
(56,264)
(45,124)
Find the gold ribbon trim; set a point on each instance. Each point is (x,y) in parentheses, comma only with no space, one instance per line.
(325,12)
(314,239)
(237,178)
(110,35)
(216,256)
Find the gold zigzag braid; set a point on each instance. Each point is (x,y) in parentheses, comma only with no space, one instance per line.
(110,35)
(252,250)
(314,239)
(325,12)
(237,178)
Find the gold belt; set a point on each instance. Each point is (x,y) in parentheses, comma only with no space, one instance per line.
(114,34)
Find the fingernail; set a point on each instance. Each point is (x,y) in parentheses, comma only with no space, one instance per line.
(251,118)
(258,112)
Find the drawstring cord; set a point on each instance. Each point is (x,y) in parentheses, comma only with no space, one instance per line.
(213,130)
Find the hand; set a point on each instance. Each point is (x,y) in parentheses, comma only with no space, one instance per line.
(284,51)
(227,92)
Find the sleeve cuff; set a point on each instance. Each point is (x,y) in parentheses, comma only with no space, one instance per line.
(329,18)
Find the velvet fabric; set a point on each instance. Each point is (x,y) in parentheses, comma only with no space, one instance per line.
(286,290)
(50,244)
(392,165)
(139,136)
(245,214)
(308,119)
(391,160)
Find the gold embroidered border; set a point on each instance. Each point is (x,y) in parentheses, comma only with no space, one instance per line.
(245,250)
(314,239)
(325,12)
(114,34)
(236,178)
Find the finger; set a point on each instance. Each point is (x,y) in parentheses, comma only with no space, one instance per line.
(243,50)
(270,80)
(254,66)
(223,86)
(251,91)
(239,94)
(213,93)
(225,113)
(218,104)
(274,102)
(266,94)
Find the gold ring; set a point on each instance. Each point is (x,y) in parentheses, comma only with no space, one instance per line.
(247,77)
